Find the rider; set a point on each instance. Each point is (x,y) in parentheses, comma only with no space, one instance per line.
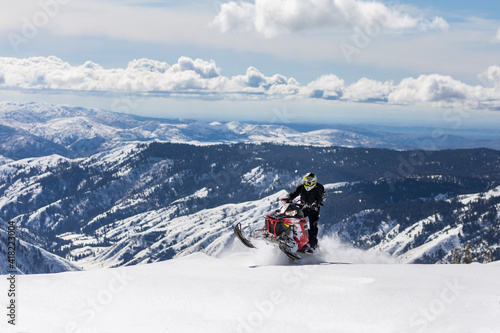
(311,195)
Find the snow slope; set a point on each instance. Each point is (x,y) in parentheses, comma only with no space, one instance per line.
(259,292)
(31,259)
(4,160)
(153,236)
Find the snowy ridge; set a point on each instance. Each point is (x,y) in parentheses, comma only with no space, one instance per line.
(126,200)
(76,131)
(157,235)
(37,129)
(469,198)
(400,245)
(74,127)
(430,237)
(4,160)
(31,259)
(154,236)
(150,202)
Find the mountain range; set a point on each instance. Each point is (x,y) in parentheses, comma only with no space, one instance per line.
(90,188)
(39,129)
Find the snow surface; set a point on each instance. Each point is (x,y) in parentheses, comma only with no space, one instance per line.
(260,291)
(468,198)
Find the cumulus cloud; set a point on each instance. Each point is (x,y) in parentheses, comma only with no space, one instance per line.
(235,16)
(140,76)
(441,90)
(197,78)
(273,17)
(326,87)
(253,81)
(430,88)
(491,77)
(489,92)
(367,90)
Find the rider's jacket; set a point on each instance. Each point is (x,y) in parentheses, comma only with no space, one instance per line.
(314,196)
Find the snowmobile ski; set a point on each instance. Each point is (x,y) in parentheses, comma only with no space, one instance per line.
(259,234)
(239,234)
(289,253)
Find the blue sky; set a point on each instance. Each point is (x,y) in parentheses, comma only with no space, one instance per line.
(348,61)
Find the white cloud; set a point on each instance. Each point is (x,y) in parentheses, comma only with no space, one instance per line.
(255,82)
(273,17)
(429,88)
(367,90)
(436,24)
(441,90)
(326,87)
(148,65)
(140,76)
(489,93)
(491,77)
(195,78)
(235,16)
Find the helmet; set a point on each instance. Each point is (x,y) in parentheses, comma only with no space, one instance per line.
(310,181)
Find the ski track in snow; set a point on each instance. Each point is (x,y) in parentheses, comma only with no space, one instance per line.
(199,293)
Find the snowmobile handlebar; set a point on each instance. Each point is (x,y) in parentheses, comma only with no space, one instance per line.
(303,205)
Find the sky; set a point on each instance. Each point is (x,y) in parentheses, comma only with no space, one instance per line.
(319,61)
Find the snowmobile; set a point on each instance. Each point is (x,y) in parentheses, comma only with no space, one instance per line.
(285,227)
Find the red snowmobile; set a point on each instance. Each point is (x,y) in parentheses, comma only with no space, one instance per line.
(286,228)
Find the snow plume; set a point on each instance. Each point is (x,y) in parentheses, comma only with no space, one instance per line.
(332,250)
(274,17)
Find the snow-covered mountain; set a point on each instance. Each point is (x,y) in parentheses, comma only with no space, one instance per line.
(150,202)
(101,189)
(73,131)
(38,129)
(255,292)
(30,259)
(465,222)
(155,236)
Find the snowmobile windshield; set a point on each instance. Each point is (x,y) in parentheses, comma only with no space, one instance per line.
(290,210)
